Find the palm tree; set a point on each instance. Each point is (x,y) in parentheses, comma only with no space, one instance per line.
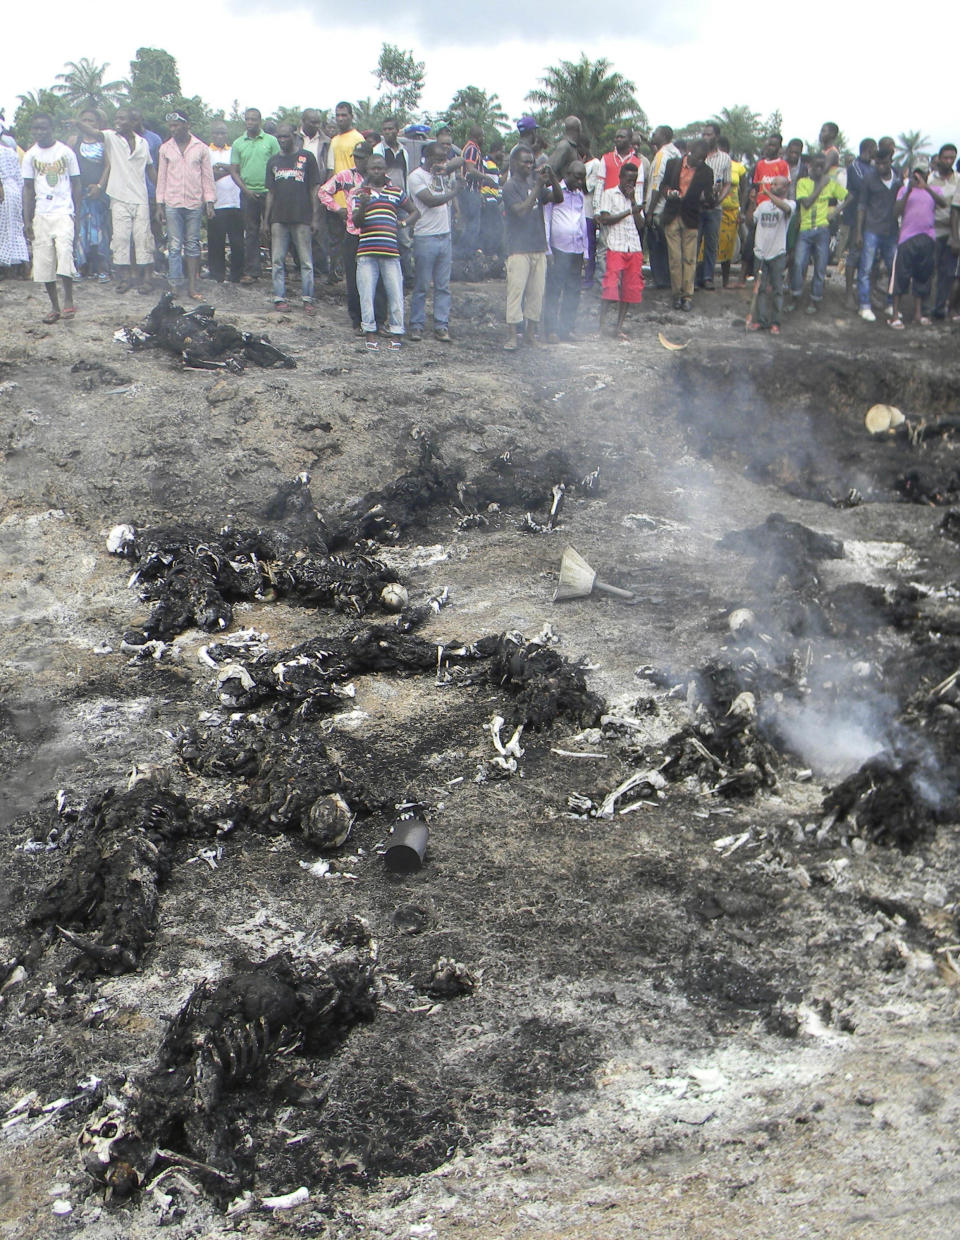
(473,106)
(913,146)
(587,89)
(83,83)
(742,127)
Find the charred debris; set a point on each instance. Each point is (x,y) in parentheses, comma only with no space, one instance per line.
(199,342)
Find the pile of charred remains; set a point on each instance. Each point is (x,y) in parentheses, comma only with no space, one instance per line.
(201,343)
(264,768)
(271,771)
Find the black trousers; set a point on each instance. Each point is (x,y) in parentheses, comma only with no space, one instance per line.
(252,207)
(226,226)
(562,293)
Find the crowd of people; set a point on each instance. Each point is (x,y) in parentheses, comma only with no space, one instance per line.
(389,212)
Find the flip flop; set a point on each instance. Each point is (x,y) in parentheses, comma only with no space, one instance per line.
(52,316)
(69,312)
(373,346)
(195,296)
(897,323)
(511,346)
(396,345)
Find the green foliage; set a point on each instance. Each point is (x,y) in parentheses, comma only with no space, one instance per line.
(473,106)
(743,128)
(369,113)
(288,115)
(600,97)
(404,76)
(82,85)
(153,72)
(43,100)
(914,148)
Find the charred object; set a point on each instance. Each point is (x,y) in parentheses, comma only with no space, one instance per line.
(200,342)
(191,1106)
(785,550)
(890,801)
(106,903)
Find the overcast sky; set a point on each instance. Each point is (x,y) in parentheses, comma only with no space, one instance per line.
(687,58)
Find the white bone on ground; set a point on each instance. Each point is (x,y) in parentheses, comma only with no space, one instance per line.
(288,1201)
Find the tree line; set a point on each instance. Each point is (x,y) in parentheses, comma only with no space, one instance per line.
(601,97)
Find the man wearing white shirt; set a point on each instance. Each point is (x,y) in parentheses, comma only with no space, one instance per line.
(567,241)
(227,223)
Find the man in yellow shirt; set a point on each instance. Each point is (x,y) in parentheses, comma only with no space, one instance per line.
(339,159)
(819,197)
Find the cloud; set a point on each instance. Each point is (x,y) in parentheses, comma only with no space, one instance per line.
(430,25)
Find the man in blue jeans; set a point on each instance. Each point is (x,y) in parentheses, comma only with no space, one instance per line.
(291,213)
(432,194)
(819,198)
(722,167)
(185,191)
(877,227)
(376,208)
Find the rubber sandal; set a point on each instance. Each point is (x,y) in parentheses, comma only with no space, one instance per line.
(52,316)
(281,306)
(897,323)
(924,321)
(69,312)
(373,346)
(511,346)
(395,346)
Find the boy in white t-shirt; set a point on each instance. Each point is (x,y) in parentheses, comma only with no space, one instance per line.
(772,219)
(51,199)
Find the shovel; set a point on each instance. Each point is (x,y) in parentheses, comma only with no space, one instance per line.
(578,580)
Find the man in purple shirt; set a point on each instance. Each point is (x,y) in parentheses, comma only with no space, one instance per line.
(566,228)
(916,249)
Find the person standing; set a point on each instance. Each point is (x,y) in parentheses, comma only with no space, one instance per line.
(432,194)
(248,166)
(769,167)
(345,184)
(340,159)
(225,226)
(731,210)
(688,188)
(771,217)
(568,246)
(856,172)
(943,178)
(523,197)
(291,213)
(313,139)
(127,169)
(819,197)
(621,215)
(876,232)
(470,201)
(711,217)
(185,195)
(655,239)
(376,208)
(13,242)
(917,204)
(51,199)
(398,171)
(491,199)
(567,149)
(92,225)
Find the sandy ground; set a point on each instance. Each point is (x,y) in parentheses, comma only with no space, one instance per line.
(700,1018)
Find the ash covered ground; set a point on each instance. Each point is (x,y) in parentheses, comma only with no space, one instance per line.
(683,955)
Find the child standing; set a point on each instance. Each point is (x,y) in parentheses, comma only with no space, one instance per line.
(772,219)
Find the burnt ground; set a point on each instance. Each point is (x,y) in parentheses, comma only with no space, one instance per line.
(722,1009)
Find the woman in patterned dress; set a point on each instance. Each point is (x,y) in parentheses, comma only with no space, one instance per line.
(13,243)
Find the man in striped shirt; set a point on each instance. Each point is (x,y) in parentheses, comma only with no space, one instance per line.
(376,208)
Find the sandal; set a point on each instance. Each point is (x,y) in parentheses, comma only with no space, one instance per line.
(373,346)
(923,321)
(124,286)
(396,345)
(897,323)
(510,346)
(69,312)
(281,306)
(52,316)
